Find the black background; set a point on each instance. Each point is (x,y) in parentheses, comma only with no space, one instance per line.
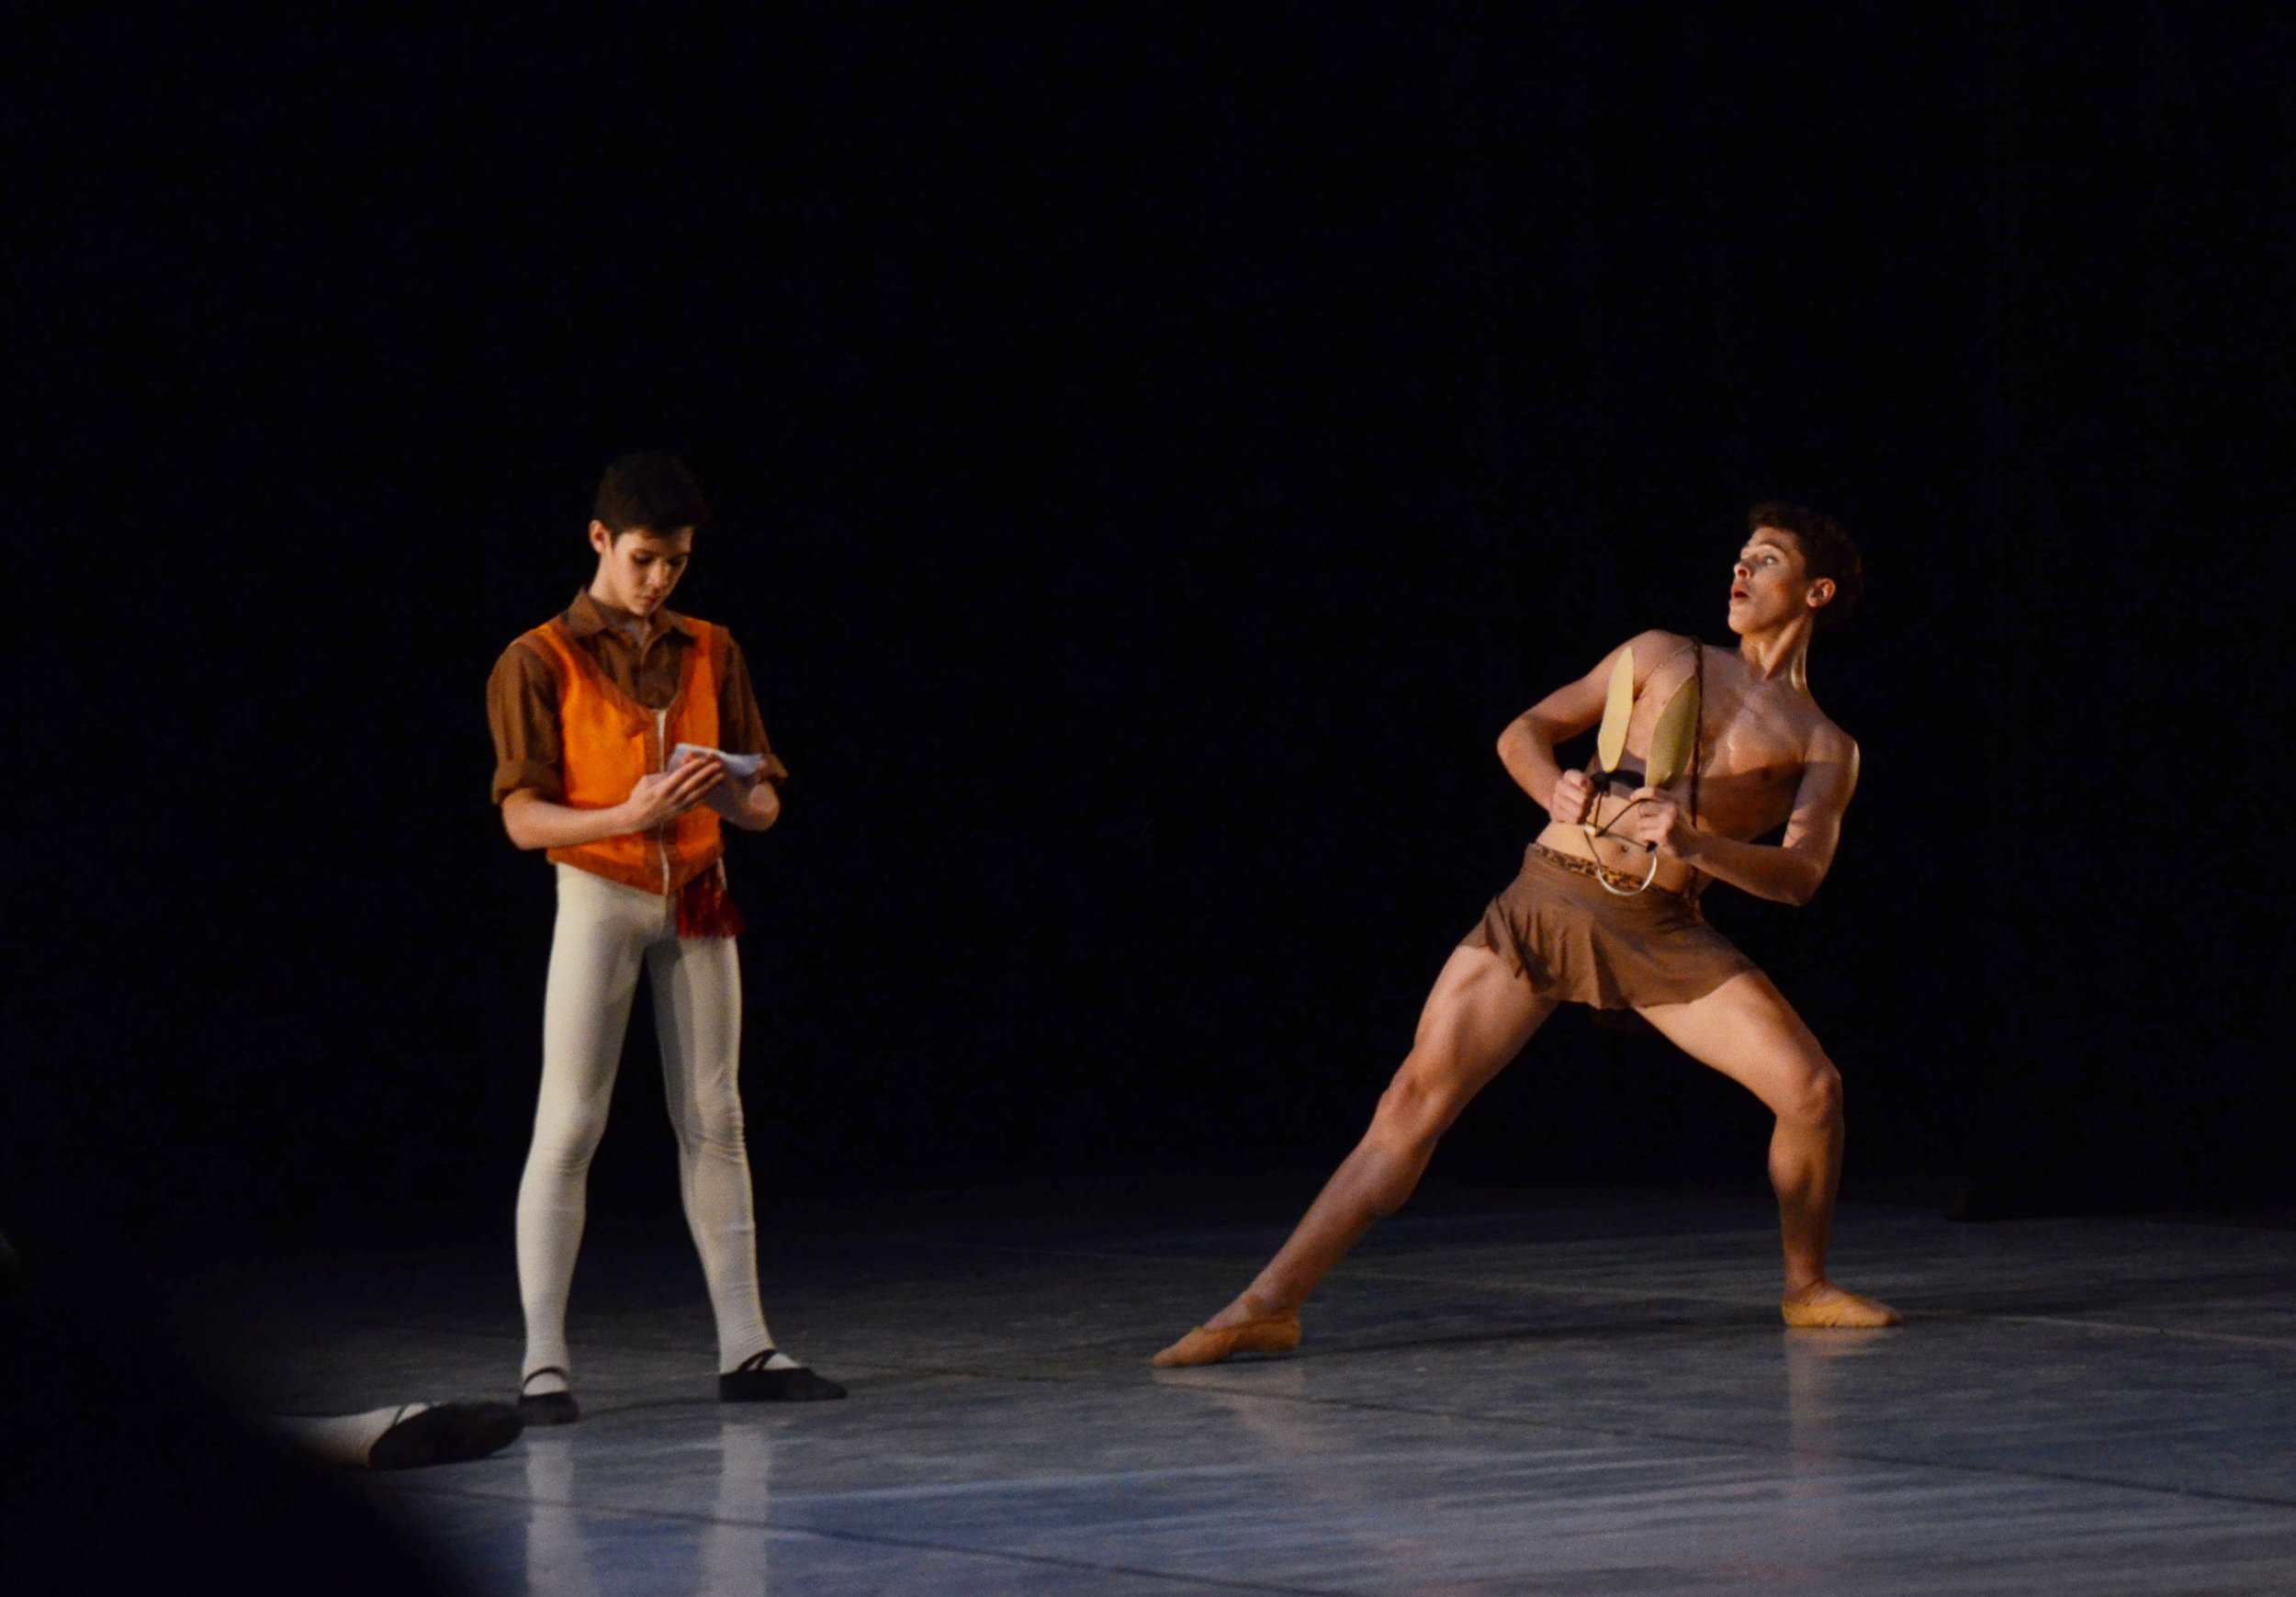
(1154,457)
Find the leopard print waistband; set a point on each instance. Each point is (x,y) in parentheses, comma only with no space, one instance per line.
(1578,866)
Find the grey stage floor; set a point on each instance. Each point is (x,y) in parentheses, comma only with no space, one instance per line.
(1556,1395)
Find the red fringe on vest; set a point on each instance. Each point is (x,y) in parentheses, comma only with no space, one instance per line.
(706,908)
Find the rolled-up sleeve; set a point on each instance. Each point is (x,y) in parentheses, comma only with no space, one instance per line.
(522,714)
(740,728)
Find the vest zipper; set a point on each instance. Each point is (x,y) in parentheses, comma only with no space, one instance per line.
(661,832)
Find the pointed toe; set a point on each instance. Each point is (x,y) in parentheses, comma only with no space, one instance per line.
(1272,1333)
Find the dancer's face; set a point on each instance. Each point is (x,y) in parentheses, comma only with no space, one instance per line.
(1770,586)
(637,570)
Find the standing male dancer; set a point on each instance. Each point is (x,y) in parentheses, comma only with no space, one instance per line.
(586,711)
(1578,925)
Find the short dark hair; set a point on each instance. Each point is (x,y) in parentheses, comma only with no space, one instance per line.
(1827,551)
(650,489)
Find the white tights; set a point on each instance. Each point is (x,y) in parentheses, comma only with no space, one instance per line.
(604,930)
(343,1439)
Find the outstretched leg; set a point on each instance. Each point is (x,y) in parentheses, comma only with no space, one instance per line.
(1746,1029)
(1476,1020)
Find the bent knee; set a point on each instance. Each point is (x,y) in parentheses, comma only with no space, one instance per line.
(1421,1102)
(1815,1099)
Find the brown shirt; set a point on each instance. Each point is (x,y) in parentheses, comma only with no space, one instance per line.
(523,693)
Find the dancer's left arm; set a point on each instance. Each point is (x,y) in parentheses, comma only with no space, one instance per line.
(1788,871)
(755,810)
(756,804)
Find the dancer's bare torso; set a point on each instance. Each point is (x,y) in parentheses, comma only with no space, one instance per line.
(1768,756)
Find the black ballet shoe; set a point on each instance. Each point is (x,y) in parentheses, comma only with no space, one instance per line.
(445,1434)
(751,1382)
(547,1408)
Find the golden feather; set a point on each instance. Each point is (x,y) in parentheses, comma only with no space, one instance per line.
(1610,743)
(1673,740)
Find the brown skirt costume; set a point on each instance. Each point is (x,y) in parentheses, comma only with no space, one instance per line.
(1573,940)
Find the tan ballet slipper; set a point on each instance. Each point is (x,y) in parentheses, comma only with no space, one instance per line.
(1827,1307)
(1272,1333)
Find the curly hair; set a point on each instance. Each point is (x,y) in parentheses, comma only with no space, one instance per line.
(1827,551)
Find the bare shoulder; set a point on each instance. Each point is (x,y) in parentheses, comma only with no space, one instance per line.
(1826,744)
(1657,643)
(1825,739)
(1654,648)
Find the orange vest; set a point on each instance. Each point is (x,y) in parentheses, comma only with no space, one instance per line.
(609,740)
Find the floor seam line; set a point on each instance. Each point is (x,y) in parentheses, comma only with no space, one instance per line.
(2148,1333)
(1745,1449)
(1424,1277)
(872,1539)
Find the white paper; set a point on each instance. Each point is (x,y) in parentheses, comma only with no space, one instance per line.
(740,766)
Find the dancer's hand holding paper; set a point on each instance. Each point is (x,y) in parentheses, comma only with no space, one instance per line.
(736,797)
(730,797)
(662,795)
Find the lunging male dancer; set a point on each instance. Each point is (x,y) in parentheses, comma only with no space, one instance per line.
(587,711)
(1580,926)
